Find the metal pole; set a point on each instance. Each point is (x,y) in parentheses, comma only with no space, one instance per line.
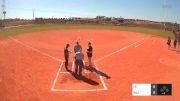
(3,13)
(4,9)
(33,14)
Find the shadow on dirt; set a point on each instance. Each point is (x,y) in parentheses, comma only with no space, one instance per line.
(88,80)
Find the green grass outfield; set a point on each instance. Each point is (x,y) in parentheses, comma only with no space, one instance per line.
(46,27)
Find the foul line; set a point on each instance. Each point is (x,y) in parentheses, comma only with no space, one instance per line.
(121,49)
(34,49)
(138,45)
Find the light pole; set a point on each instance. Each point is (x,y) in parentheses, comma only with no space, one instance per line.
(3,11)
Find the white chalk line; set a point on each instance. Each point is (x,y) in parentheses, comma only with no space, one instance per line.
(64,73)
(138,45)
(34,49)
(161,60)
(84,67)
(101,78)
(81,90)
(75,90)
(121,49)
(56,78)
(72,68)
(85,71)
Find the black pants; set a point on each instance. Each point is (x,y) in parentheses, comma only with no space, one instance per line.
(79,66)
(66,63)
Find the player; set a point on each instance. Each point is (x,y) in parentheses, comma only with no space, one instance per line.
(66,55)
(178,40)
(79,56)
(175,43)
(169,42)
(89,53)
(77,47)
(176,33)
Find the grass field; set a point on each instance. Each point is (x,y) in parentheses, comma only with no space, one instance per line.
(46,27)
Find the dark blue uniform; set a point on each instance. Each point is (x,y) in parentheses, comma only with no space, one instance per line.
(66,56)
(89,51)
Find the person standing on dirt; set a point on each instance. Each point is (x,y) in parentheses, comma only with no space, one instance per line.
(178,40)
(89,53)
(176,33)
(66,55)
(77,47)
(169,42)
(175,43)
(79,56)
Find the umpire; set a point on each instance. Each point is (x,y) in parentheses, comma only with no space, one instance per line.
(77,47)
(79,56)
(66,55)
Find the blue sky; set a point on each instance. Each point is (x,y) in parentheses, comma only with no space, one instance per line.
(135,9)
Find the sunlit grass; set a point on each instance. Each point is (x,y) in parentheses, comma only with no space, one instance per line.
(46,27)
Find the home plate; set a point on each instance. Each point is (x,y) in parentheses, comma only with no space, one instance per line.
(69,82)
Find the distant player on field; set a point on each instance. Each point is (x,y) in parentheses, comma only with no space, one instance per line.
(176,33)
(66,55)
(178,39)
(169,42)
(175,43)
(89,53)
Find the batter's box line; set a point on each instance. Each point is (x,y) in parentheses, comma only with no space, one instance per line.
(72,69)
(85,68)
(81,90)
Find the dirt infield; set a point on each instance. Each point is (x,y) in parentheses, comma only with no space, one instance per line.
(32,67)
